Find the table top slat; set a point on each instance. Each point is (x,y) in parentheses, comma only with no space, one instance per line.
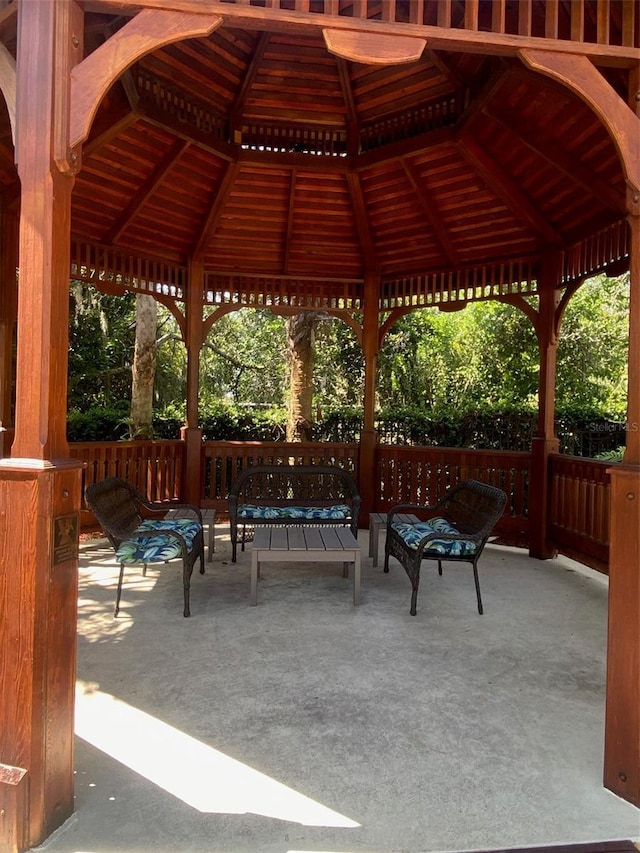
(330,539)
(346,537)
(297,539)
(262,537)
(279,538)
(313,538)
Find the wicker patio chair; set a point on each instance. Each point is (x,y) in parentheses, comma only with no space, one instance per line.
(455,529)
(127,518)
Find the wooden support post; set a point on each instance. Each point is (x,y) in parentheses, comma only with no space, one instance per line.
(622,721)
(369,436)
(39,528)
(190,433)
(8,319)
(545,441)
(39,488)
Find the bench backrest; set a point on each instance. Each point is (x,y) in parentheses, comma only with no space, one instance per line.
(117,507)
(473,507)
(282,485)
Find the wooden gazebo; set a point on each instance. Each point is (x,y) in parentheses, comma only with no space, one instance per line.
(360,157)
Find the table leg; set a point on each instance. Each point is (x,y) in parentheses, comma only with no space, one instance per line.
(255,567)
(373,547)
(212,538)
(356,577)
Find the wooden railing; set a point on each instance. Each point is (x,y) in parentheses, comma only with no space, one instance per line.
(153,467)
(224,460)
(579,508)
(578,503)
(598,22)
(422,475)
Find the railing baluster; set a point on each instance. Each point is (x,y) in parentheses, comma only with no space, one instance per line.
(577,20)
(629,8)
(498,16)
(552,8)
(603,21)
(524,17)
(444,13)
(471,9)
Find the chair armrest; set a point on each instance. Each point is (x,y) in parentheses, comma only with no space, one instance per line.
(161,506)
(400,509)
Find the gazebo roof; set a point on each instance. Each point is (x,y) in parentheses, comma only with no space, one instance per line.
(264,155)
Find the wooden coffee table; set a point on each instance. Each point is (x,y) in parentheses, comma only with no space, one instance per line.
(305,544)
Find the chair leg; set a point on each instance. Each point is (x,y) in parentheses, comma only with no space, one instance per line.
(414,576)
(119,591)
(187,568)
(414,600)
(202,554)
(477,582)
(439,567)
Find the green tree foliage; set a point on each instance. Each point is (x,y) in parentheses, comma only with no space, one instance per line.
(483,356)
(101,336)
(593,348)
(446,364)
(243,361)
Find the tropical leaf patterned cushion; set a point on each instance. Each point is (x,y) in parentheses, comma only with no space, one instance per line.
(157,547)
(412,534)
(306,513)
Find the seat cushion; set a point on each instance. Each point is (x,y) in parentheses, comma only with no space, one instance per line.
(412,534)
(157,547)
(305,513)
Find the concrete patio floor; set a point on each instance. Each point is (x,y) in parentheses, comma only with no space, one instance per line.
(308,724)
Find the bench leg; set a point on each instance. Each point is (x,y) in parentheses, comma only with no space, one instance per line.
(356,578)
(376,542)
(255,569)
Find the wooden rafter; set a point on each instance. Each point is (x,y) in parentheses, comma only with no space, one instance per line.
(290,221)
(212,219)
(580,76)
(430,209)
(353,125)
(554,155)
(248,79)
(370,261)
(504,187)
(146,191)
(149,30)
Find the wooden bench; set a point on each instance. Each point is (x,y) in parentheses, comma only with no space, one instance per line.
(286,495)
(456,528)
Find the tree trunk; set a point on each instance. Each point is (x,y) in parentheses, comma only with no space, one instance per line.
(144,367)
(300,338)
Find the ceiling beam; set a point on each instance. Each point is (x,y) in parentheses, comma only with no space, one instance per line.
(146,191)
(505,188)
(208,227)
(430,209)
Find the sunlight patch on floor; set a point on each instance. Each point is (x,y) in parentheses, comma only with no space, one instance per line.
(203,777)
